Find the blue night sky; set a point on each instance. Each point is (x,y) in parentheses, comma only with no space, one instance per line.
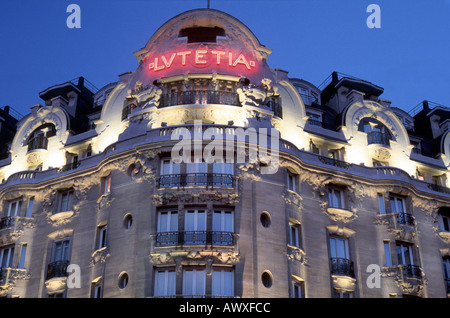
(409,56)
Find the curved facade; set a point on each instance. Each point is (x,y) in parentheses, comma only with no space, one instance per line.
(207,173)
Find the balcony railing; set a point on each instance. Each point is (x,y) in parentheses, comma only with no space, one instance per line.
(69,166)
(275,106)
(196,179)
(6,222)
(315,122)
(57,269)
(176,238)
(379,138)
(412,271)
(342,266)
(39,142)
(199,97)
(335,162)
(405,218)
(438,188)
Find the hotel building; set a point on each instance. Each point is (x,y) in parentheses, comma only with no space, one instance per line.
(341,194)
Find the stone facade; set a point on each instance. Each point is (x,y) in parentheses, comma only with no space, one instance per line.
(346,196)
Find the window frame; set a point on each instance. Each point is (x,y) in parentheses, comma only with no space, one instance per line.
(332,194)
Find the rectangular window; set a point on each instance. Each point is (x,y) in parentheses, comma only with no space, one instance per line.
(30,207)
(194,281)
(223,227)
(223,221)
(195,220)
(339,247)
(101,236)
(61,250)
(165,281)
(6,257)
(445,223)
(96,290)
(387,253)
(294,234)
(23,253)
(15,207)
(397,204)
(106,184)
(404,253)
(168,167)
(222,283)
(65,201)
(167,221)
(292,181)
(339,294)
(381,206)
(297,289)
(336,198)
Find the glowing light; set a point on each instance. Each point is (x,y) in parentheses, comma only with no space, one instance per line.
(201,57)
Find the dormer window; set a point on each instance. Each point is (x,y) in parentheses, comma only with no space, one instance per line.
(39,137)
(202,34)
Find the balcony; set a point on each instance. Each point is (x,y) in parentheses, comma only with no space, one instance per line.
(342,266)
(38,142)
(6,222)
(378,138)
(199,97)
(438,188)
(405,218)
(57,269)
(196,179)
(69,166)
(411,271)
(335,162)
(178,238)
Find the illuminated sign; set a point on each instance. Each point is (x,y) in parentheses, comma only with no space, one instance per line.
(201,58)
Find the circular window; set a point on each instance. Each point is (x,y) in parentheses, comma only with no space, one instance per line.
(127,221)
(123,280)
(265,219)
(266,279)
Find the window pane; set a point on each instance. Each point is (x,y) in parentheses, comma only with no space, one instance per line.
(381,206)
(393,205)
(173,221)
(23,253)
(387,254)
(201,221)
(30,207)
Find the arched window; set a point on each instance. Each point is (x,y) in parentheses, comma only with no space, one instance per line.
(39,137)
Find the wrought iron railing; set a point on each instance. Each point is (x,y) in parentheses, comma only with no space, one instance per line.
(39,142)
(412,271)
(69,166)
(199,97)
(438,188)
(379,138)
(405,218)
(57,269)
(315,122)
(195,179)
(342,266)
(6,222)
(176,238)
(335,162)
(275,106)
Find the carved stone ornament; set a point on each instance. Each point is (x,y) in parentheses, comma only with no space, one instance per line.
(99,256)
(296,254)
(413,286)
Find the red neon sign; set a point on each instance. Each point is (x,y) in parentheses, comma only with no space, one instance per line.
(200,58)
